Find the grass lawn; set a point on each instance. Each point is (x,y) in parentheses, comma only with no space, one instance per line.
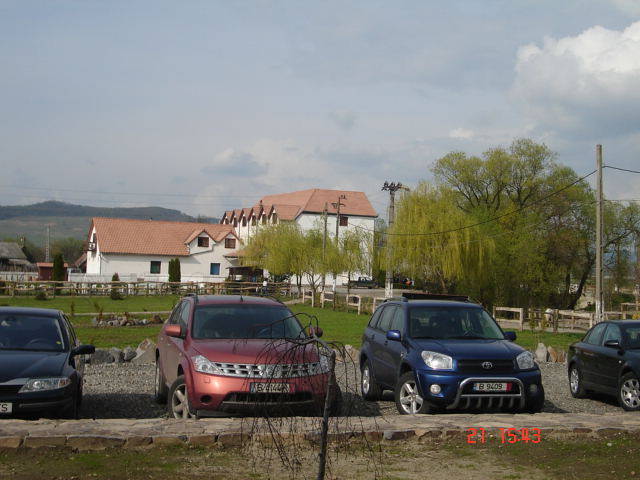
(583,458)
(88,304)
(106,337)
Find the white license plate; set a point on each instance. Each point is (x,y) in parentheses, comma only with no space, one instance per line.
(6,408)
(491,387)
(270,388)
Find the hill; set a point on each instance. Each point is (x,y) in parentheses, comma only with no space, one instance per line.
(69,220)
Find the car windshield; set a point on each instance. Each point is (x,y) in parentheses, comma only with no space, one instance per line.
(452,322)
(632,336)
(30,332)
(244,321)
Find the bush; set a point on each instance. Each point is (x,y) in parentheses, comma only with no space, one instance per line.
(40,295)
(115,288)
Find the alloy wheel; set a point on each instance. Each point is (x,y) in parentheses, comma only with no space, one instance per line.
(366,380)
(410,399)
(180,403)
(157,380)
(630,393)
(574,380)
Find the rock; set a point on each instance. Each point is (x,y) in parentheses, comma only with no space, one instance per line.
(156,319)
(144,321)
(117,355)
(541,353)
(352,352)
(553,354)
(562,356)
(146,352)
(102,356)
(128,354)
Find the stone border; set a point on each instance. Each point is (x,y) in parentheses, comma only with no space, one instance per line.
(91,435)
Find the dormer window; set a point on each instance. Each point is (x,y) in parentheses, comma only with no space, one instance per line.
(274,218)
(264,219)
(229,243)
(244,221)
(203,242)
(253,220)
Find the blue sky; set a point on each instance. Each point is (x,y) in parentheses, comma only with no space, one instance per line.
(219,103)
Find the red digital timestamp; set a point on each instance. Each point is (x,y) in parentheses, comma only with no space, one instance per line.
(507,435)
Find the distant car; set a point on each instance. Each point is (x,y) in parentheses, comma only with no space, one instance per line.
(232,354)
(437,354)
(363,282)
(39,368)
(607,360)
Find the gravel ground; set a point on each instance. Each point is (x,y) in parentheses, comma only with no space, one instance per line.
(126,391)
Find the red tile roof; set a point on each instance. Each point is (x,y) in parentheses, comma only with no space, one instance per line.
(313,200)
(152,237)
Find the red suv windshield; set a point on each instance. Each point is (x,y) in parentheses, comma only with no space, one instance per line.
(244,321)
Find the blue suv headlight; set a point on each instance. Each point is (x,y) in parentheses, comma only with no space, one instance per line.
(437,361)
(525,361)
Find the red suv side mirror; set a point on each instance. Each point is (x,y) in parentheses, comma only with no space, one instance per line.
(173,331)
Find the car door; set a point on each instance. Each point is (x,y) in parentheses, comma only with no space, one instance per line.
(75,362)
(167,347)
(381,365)
(587,351)
(392,352)
(370,332)
(608,360)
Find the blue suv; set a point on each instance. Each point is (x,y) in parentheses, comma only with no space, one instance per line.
(437,354)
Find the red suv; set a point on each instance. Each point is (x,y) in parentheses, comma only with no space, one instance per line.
(238,355)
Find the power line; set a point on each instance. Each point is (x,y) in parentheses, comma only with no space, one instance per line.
(493,219)
(621,169)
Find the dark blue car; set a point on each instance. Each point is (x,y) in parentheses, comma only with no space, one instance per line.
(437,355)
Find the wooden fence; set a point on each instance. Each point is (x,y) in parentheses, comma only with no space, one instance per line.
(509,321)
(50,288)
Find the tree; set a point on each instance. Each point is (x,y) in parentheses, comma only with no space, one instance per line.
(58,274)
(70,248)
(115,287)
(174,270)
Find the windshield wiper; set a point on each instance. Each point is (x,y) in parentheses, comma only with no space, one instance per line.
(470,337)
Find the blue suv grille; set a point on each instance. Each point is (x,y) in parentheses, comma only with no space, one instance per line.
(479,366)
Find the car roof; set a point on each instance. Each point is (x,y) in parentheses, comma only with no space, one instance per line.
(235,299)
(45,312)
(434,303)
(635,323)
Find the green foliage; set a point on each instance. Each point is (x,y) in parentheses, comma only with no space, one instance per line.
(58,274)
(70,248)
(533,223)
(40,295)
(174,270)
(115,294)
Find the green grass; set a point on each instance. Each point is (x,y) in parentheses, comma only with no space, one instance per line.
(106,337)
(157,303)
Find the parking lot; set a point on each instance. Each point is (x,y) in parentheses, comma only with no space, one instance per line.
(126,391)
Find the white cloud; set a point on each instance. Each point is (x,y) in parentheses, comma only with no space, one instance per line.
(345,119)
(585,84)
(463,133)
(631,7)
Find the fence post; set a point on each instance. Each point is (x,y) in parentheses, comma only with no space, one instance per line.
(556,315)
(521,313)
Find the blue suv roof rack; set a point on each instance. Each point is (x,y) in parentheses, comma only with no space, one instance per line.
(434,296)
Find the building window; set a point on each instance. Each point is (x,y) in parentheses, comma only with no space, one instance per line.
(244,222)
(203,241)
(344,220)
(155,266)
(274,218)
(235,222)
(229,243)
(264,219)
(253,220)
(214,269)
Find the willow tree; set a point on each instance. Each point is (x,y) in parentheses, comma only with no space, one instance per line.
(426,240)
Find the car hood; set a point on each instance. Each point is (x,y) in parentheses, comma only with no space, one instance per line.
(473,349)
(21,364)
(255,351)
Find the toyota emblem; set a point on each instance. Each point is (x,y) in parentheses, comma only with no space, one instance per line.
(487,365)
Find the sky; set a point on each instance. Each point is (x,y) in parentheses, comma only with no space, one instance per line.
(205,106)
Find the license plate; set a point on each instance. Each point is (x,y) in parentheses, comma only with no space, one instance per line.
(491,387)
(270,388)
(6,407)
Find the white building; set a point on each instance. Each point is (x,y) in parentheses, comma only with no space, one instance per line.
(141,250)
(307,209)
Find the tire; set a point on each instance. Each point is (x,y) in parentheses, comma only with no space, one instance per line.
(408,399)
(575,382)
(369,389)
(72,412)
(161,391)
(178,404)
(534,404)
(629,392)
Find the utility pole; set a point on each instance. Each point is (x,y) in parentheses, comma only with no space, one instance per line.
(599,236)
(392,188)
(324,243)
(47,247)
(337,206)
